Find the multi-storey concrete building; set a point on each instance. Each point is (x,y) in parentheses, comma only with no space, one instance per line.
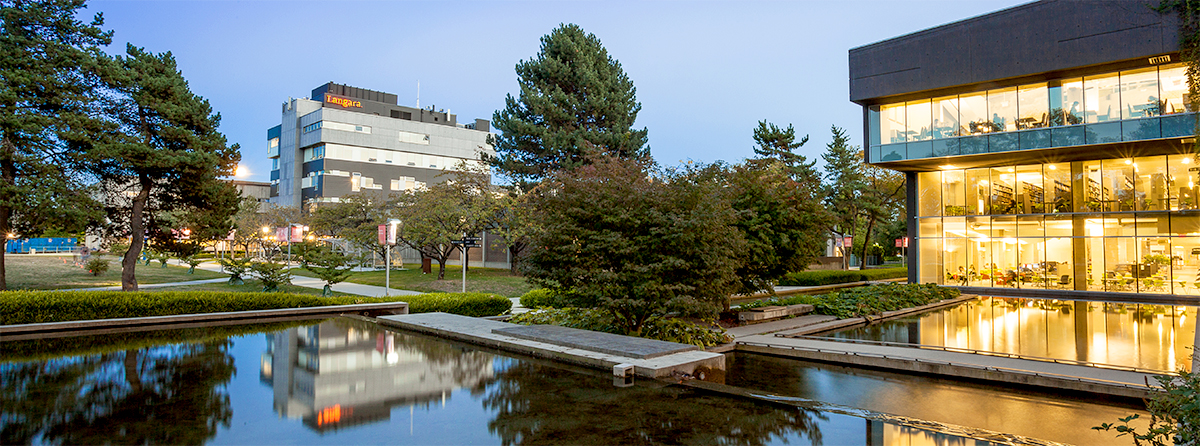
(1048,148)
(346,139)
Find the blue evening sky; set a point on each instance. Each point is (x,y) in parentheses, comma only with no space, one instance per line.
(706,71)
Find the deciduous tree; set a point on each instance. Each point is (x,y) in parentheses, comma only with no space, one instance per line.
(576,103)
(430,219)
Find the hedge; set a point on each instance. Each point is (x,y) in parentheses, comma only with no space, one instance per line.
(864,301)
(662,329)
(830,277)
(29,307)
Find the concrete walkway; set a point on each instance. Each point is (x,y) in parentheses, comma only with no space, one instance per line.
(963,365)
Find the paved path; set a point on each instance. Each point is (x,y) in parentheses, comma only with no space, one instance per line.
(967,365)
(307,282)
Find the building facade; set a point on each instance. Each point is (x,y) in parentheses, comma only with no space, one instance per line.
(345,140)
(1048,150)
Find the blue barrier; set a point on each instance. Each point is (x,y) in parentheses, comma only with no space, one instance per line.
(49,244)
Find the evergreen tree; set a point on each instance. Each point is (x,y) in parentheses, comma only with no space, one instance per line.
(49,70)
(576,104)
(780,144)
(166,156)
(844,177)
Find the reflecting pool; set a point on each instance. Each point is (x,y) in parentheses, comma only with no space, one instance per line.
(1155,337)
(345,381)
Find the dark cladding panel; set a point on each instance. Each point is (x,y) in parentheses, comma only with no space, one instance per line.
(1041,37)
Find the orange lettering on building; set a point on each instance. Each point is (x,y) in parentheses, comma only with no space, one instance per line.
(342,101)
(330,415)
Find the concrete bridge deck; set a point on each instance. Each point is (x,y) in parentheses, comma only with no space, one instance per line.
(1080,378)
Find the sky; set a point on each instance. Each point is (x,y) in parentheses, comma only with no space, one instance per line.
(706,72)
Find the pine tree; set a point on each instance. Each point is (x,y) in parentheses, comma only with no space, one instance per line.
(166,157)
(49,70)
(576,104)
(780,144)
(844,176)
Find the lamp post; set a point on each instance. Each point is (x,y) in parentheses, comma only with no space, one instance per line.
(392,226)
(262,245)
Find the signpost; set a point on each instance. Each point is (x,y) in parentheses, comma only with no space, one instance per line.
(464,246)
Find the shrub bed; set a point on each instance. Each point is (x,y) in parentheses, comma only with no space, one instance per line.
(665,329)
(865,301)
(29,307)
(830,277)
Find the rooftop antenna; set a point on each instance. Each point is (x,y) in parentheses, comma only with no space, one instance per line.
(418,94)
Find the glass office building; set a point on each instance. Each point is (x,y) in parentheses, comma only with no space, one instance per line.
(1047,167)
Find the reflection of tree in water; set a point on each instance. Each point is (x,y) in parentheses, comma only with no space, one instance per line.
(171,394)
(544,405)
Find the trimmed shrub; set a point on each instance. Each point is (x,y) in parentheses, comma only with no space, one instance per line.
(830,277)
(97,266)
(867,300)
(271,274)
(664,329)
(30,307)
(466,304)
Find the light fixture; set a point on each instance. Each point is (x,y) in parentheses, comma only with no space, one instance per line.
(266,229)
(1187,160)
(1010,169)
(1052,167)
(947,167)
(1128,162)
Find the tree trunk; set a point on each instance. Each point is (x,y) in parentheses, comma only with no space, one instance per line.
(137,236)
(514,254)
(8,174)
(441,267)
(131,371)
(866,240)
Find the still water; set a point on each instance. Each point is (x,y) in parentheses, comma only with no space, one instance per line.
(343,381)
(1154,337)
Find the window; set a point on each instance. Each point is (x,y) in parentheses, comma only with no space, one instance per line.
(1173,87)
(973,113)
(1032,107)
(313,127)
(348,127)
(945,117)
(1002,107)
(1101,98)
(1139,93)
(414,138)
(919,117)
(314,153)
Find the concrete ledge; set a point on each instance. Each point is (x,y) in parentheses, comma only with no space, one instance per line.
(482,332)
(812,289)
(774,312)
(852,322)
(375,309)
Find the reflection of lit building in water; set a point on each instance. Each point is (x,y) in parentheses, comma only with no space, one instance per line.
(339,373)
(1156,337)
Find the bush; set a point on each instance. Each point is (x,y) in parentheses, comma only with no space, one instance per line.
(662,329)
(830,277)
(28,307)
(236,268)
(97,266)
(1174,413)
(865,301)
(271,274)
(543,298)
(31,307)
(466,304)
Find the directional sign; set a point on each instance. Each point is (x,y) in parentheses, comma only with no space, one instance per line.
(470,242)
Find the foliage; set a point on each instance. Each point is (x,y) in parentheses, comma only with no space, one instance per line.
(327,264)
(844,183)
(865,301)
(355,218)
(1174,413)
(162,164)
(271,274)
(781,219)
(576,104)
(97,266)
(432,218)
(33,307)
(466,304)
(662,329)
(1189,48)
(817,278)
(50,67)
(236,269)
(543,297)
(780,145)
(635,245)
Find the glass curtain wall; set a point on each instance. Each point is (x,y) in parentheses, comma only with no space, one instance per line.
(1123,225)
(1121,106)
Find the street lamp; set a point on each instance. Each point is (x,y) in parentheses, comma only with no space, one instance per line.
(393,225)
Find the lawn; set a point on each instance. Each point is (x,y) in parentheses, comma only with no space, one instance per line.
(27,272)
(479,280)
(251,286)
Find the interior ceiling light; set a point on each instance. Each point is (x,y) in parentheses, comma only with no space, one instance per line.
(1186,160)
(1128,162)
(1052,167)
(947,167)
